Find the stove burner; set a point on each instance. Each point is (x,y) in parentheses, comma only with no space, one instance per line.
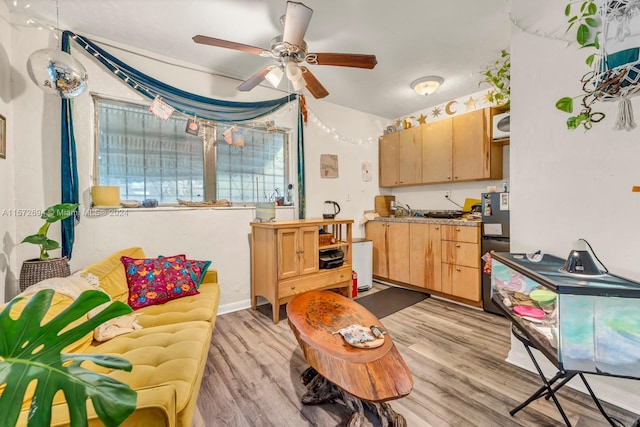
(443,214)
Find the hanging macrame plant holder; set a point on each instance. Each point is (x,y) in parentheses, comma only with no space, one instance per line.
(616,75)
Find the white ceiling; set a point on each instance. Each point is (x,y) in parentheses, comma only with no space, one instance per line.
(454,39)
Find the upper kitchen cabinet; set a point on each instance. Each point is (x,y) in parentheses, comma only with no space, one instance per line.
(448,150)
(437,142)
(475,155)
(389,159)
(401,158)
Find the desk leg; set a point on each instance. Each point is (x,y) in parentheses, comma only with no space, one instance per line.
(545,389)
(320,390)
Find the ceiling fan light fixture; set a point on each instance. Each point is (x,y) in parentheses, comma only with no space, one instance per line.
(426,85)
(298,84)
(275,75)
(293,71)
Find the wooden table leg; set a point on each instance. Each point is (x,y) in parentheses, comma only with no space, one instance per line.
(320,390)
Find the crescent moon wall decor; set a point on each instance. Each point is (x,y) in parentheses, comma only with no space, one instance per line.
(448,108)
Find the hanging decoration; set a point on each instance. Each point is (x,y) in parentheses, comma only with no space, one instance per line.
(57,73)
(612,27)
(161,109)
(234,136)
(193,127)
(617,73)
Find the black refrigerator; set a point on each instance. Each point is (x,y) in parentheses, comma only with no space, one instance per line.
(495,237)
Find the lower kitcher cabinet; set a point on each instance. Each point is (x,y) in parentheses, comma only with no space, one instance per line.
(461,281)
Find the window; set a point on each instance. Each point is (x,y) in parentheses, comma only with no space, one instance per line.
(151,158)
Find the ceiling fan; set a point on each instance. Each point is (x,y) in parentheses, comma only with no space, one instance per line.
(290,50)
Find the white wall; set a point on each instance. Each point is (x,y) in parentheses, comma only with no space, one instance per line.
(217,234)
(8,272)
(570,184)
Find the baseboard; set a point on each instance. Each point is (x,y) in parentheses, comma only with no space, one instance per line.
(234,306)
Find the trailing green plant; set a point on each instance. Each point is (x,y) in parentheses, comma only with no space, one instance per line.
(498,76)
(31,352)
(587,36)
(50,215)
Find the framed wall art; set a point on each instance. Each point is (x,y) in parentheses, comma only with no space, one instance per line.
(3,137)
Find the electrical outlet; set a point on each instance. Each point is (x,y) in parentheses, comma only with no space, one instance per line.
(447,194)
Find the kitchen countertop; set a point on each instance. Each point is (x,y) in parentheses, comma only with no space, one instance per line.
(446,221)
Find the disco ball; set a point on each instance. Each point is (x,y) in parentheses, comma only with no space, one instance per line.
(57,73)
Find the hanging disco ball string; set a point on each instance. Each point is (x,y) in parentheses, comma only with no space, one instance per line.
(57,72)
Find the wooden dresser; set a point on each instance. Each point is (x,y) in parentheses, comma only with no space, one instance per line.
(285,259)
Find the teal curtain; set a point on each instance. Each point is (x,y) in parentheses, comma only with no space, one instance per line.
(184,102)
(301,193)
(68,169)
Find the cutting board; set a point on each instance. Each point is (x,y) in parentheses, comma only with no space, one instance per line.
(383,205)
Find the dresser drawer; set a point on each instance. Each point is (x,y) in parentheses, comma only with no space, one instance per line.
(458,233)
(467,254)
(324,279)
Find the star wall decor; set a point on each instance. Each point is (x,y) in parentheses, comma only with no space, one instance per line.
(487,98)
(422,119)
(471,104)
(436,112)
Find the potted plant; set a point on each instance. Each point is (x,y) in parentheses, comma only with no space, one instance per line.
(498,76)
(44,267)
(584,17)
(30,352)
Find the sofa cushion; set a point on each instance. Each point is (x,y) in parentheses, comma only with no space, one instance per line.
(201,307)
(163,355)
(197,269)
(110,273)
(154,281)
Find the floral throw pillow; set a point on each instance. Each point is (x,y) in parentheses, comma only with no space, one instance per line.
(196,268)
(154,281)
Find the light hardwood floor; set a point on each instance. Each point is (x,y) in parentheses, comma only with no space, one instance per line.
(456,356)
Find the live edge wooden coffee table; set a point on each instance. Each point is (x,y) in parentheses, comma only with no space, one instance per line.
(357,377)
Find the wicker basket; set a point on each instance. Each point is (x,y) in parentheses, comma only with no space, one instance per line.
(36,270)
(325,239)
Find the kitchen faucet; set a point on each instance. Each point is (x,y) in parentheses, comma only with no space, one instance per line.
(406,208)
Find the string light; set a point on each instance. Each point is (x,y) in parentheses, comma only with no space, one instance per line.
(537,33)
(333,132)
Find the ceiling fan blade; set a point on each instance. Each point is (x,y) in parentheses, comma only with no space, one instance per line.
(227,44)
(342,60)
(296,22)
(254,80)
(313,85)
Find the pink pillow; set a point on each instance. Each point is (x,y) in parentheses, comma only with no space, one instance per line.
(154,281)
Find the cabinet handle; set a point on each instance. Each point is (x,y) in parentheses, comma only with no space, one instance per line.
(457,228)
(437,228)
(293,288)
(457,268)
(457,245)
(301,251)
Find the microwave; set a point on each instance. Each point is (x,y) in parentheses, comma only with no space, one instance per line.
(501,125)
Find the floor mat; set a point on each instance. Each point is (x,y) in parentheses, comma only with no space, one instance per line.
(390,300)
(381,303)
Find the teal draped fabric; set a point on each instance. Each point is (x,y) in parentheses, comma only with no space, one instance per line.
(301,193)
(184,102)
(69,170)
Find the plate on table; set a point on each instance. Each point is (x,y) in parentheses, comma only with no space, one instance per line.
(528,311)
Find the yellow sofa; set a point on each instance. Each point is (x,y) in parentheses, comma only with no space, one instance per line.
(168,354)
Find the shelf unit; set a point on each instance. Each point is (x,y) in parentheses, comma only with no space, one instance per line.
(285,259)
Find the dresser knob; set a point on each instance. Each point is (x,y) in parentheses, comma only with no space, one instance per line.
(457,228)
(457,268)
(293,288)
(457,245)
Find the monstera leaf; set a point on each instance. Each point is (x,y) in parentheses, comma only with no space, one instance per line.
(30,352)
